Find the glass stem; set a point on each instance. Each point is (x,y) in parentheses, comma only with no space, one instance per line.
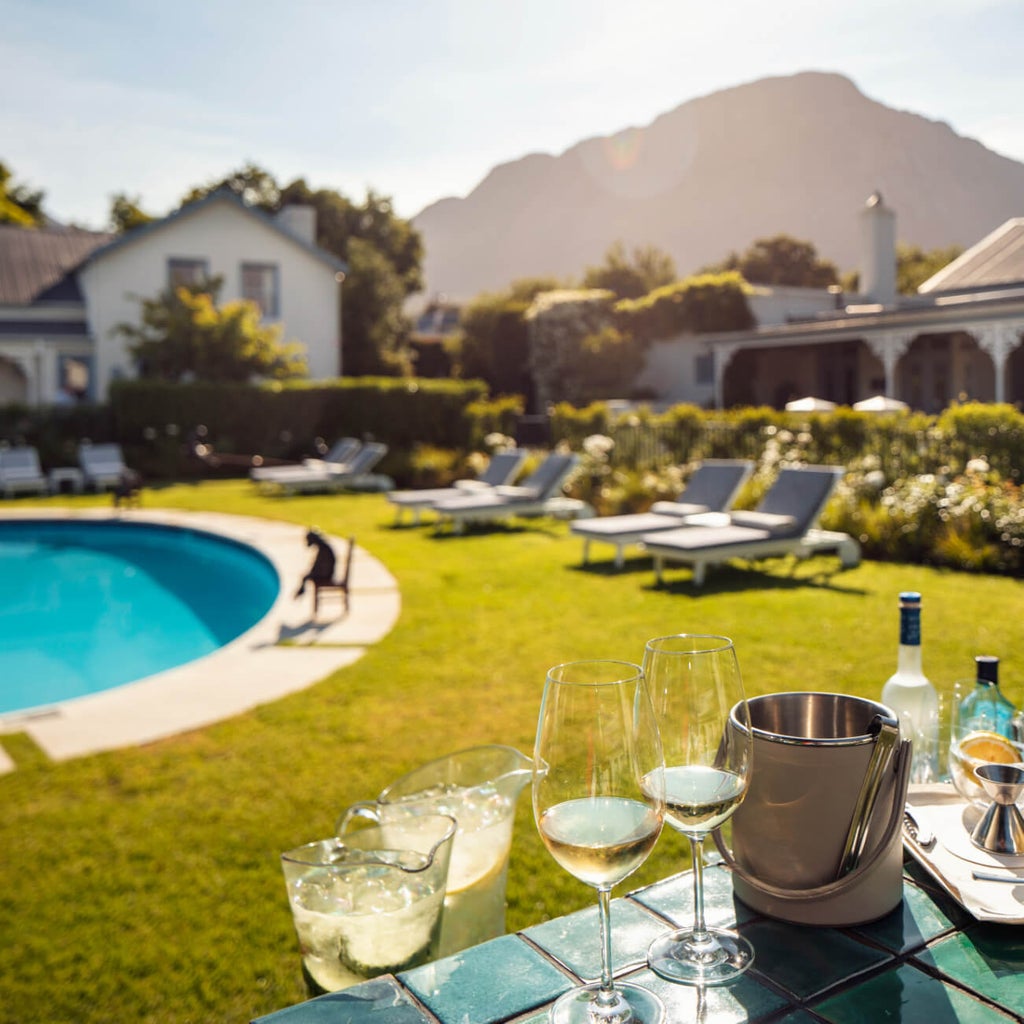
(700,931)
(606,995)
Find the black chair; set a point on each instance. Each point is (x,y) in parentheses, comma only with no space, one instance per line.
(341,584)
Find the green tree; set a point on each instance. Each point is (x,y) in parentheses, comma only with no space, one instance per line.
(126,214)
(18,204)
(375,331)
(251,183)
(780,260)
(183,333)
(493,343)
(631,276)
(914,266)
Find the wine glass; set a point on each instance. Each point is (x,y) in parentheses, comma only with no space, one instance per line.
(695,684)
(598,799)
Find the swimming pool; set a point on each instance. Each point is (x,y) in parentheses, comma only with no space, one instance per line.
(86,606)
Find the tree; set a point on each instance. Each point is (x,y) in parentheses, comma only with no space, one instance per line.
(183,333)
(629,277)
(493,341)
(251,183)
(914,266)
(374,329)
(18,204)
(126,214)
(780,260)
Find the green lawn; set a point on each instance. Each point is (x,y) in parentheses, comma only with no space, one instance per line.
(144,885)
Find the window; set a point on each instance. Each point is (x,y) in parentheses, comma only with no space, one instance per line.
(704,368)
(74,378)
(259,285)
(186,272)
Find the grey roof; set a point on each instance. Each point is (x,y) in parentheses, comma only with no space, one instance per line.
(998,259)
(34,262)
(223,194)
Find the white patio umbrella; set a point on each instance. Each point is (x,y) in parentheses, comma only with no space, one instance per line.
(810,404)
(881,403)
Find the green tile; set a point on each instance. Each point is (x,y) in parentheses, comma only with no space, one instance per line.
(575,940)
(907,996)
(745,1000)
(673,898)
(487,983)
(380,1001)
(988,959)
(798,1017)
(808,961)
(916,921)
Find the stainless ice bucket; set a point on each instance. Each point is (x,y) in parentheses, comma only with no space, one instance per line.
(817,839)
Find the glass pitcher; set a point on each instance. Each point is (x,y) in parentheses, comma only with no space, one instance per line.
(479,788)
(370,903)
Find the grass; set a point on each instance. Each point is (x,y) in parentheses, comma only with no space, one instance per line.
(144,884)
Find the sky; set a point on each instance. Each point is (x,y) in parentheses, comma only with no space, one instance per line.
(419,99)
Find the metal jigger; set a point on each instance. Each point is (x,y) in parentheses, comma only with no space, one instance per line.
(1001,830)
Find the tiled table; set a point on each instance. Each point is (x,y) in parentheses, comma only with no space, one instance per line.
(928,962)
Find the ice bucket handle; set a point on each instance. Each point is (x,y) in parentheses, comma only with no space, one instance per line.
(901,763)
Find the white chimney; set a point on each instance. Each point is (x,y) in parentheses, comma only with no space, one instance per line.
(878,235)
(299,220)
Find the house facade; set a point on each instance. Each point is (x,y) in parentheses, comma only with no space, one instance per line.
(961,337)
(62,294)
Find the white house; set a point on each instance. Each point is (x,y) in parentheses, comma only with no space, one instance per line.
(961,336)
(62,292)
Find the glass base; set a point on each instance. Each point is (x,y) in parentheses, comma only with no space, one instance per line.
(633,1005)
(718,957)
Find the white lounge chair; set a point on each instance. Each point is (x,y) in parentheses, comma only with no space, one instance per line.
(539,494)
(501,470)
(102,465)
(782,524)
(712,487)
(20,472)
(338,456)
(322,478)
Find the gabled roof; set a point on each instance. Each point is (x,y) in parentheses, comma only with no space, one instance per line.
(35,263)
(221,195)
(998,259)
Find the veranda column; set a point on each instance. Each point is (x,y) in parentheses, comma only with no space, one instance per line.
(998,340)
(723,356)
(890,347)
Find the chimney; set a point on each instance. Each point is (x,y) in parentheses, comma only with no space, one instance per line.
(299,220)
(878,235)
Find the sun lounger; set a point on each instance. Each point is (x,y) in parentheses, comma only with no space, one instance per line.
(501,470)
(337,458)
(538,495)
(354,475)
(782,524)
(20,472)
(102,465)
(712,487)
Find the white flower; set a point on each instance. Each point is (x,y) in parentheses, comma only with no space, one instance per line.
(977,466)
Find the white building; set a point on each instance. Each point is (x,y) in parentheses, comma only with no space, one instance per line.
(63,292)
(959,337)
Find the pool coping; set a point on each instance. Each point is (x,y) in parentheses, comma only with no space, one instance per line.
(286,651)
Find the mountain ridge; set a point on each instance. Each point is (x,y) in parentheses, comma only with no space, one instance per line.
(795,154)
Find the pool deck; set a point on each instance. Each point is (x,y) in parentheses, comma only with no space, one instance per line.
(287,651)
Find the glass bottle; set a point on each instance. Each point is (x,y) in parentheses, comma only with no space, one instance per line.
(986,708)
(910,695)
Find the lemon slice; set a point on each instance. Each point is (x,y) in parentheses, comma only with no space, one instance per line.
(989,748)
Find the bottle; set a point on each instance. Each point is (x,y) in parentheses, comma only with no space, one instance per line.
(985,708)
(911,697)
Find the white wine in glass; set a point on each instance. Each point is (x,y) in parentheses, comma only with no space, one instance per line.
(695,684)
(598,793)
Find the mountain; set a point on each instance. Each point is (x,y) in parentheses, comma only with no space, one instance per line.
(796,155)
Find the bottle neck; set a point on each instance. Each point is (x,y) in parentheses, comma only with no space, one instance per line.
(908,661)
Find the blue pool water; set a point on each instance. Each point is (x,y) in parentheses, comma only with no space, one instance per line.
(86,606)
